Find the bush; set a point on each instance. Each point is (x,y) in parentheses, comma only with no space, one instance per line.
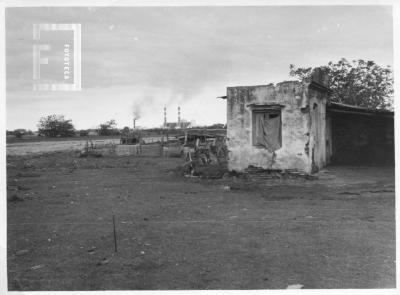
(55,126)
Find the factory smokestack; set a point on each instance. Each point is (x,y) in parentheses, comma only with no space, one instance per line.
(165,117)
(179,116)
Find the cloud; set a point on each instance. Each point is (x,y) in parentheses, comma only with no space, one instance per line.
(141,58)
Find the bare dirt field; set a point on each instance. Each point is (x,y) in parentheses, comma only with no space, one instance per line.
(35,145)
(175,232)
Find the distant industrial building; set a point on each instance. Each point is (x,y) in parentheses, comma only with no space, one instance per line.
(180,124)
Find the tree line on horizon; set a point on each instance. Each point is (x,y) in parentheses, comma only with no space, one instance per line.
(58,126)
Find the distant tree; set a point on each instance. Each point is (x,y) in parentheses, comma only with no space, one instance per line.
(361,83)
(108,128)
(83,132)
(18,133)
(55,126)
(125,130)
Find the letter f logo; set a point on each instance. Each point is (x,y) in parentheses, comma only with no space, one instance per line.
(37,59)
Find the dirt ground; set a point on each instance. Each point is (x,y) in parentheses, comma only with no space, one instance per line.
(176,232)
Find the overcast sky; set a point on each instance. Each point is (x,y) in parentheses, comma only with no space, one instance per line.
(142,59)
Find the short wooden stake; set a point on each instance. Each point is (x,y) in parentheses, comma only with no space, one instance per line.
(115,236)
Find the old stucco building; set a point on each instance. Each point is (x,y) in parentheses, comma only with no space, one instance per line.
(289,125)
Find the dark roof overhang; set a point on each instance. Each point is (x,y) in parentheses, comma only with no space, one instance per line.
(335,107)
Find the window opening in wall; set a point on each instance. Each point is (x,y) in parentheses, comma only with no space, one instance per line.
(267,129)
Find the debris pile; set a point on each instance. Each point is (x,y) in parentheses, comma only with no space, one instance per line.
(256,173)
(90,150)
(209,161)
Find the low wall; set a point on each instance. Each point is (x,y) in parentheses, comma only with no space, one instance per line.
(151,150)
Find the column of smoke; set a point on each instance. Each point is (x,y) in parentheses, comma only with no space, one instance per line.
(136,114)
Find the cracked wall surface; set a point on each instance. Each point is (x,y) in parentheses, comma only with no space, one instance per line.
(303,127)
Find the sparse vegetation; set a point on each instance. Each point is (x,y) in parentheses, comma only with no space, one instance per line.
(108,128)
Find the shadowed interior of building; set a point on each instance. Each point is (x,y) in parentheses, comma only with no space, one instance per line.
(357,136)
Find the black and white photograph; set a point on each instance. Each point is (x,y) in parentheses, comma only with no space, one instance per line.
(165,146)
